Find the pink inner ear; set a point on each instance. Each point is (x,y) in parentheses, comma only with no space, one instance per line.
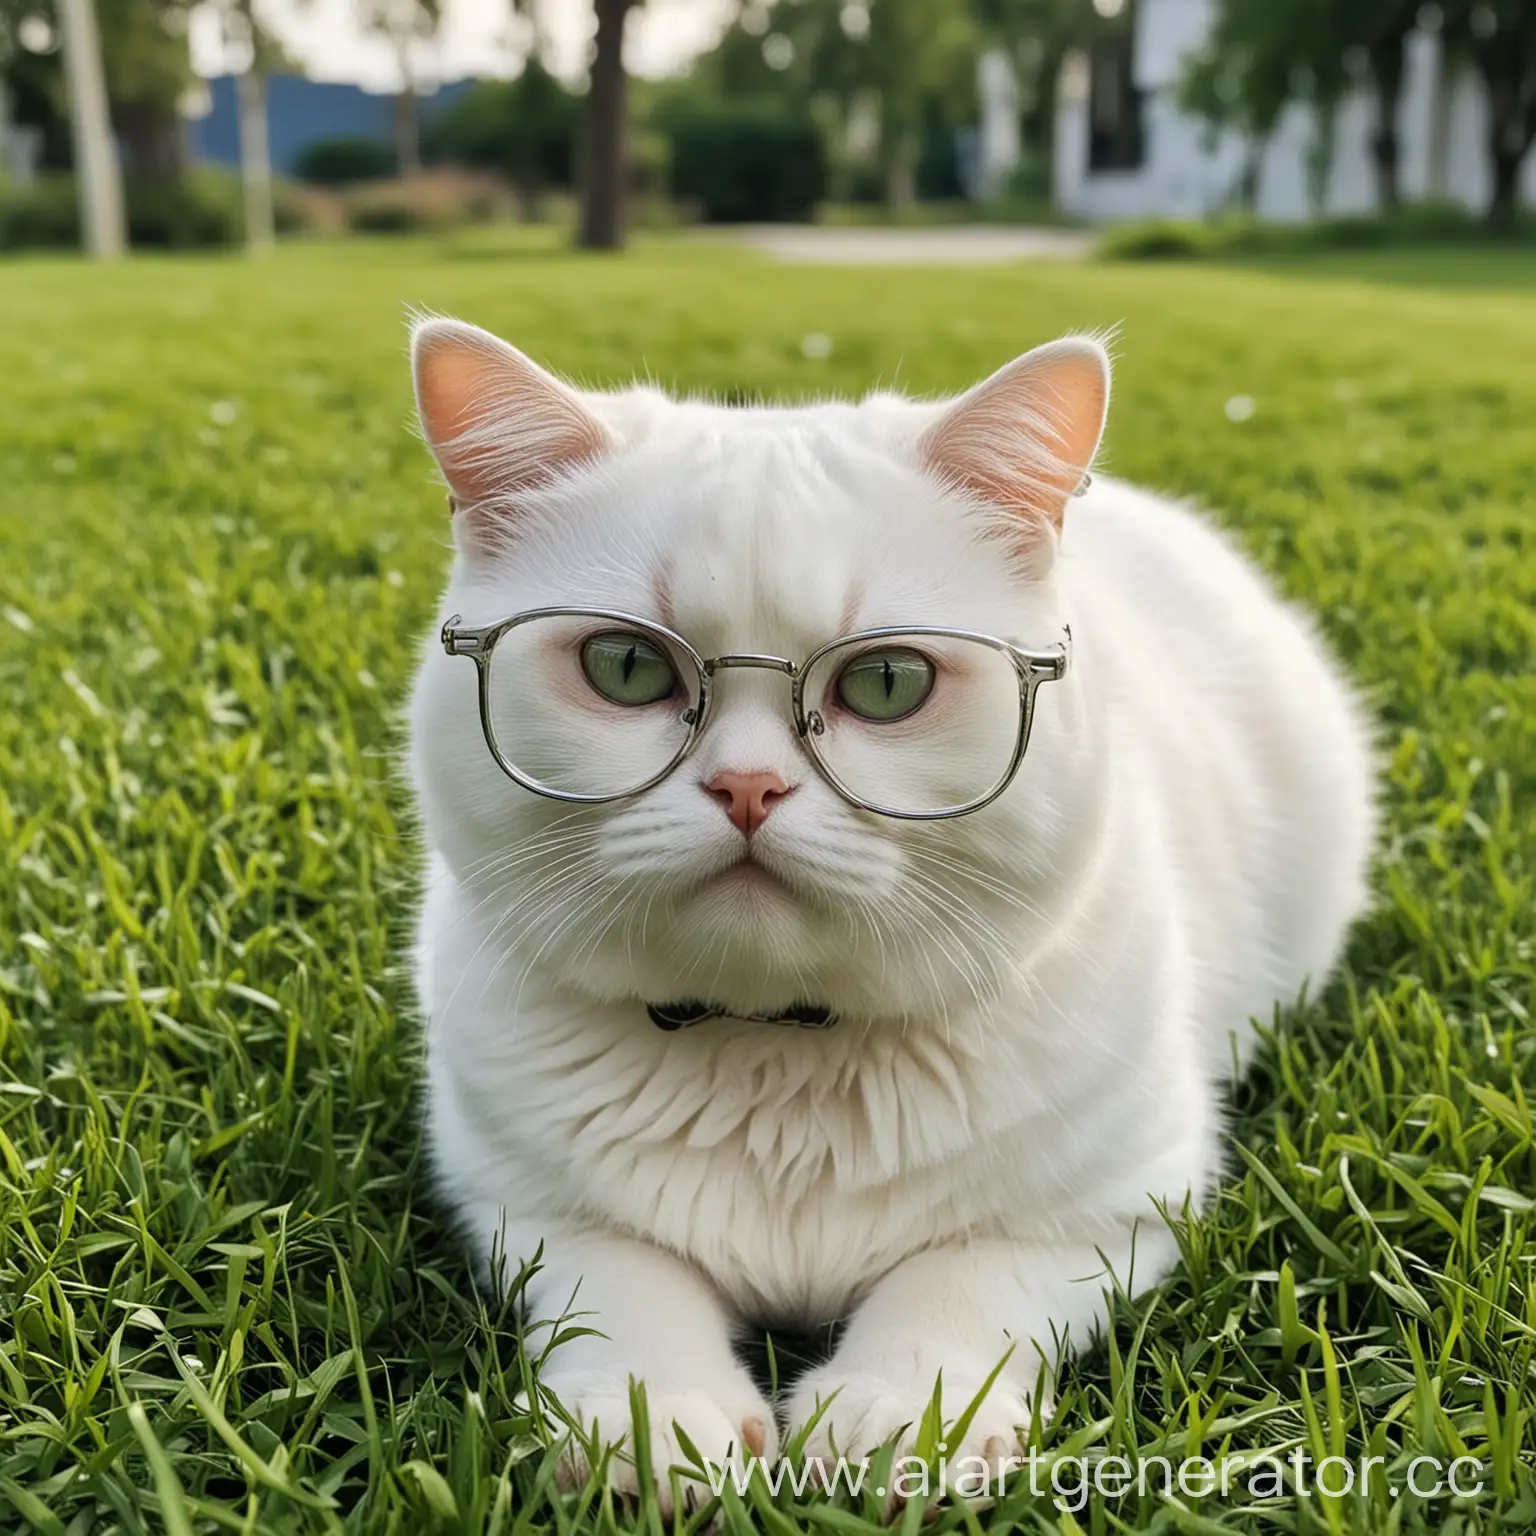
(497,423)
(1023,439)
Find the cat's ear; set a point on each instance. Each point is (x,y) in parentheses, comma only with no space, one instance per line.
(496,422)
(1024,439)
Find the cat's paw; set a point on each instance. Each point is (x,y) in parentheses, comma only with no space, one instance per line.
(726,1426)
(864,1411)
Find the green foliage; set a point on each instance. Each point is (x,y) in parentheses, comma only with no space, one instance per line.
(1499,36)
(1412,225)
(1260,55)
(747,162)
(41,216)
(525,129)
(200,208)
(1157,240)
(147,66)
(342,161)
(914,61)
(231,1300)
(1244,74)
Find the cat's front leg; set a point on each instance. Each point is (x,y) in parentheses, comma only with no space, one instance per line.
(658,1323)
(957,1312)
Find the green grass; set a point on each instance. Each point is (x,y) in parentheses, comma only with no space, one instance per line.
(227,1300)
(1488,269)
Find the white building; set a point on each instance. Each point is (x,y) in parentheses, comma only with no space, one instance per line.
(1125,150)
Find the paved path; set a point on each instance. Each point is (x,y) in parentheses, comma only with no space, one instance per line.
(947,245)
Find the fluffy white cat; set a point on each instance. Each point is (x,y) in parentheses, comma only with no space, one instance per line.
(1036,1003)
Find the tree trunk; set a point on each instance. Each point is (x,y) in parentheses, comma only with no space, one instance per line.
(407,132)
(902,148)
(1320,155)
(605,157)
(1441,106)
(1386,147)
(255,162)
(1248,181)
(1511,123)
(900,185)
(96,170)
(530,197)
(1506,183)
(5,128)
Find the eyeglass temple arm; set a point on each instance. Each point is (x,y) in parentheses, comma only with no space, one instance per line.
(1048,666)
(464,642)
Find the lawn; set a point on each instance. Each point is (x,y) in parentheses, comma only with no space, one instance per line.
(1485,268)
(228,1299)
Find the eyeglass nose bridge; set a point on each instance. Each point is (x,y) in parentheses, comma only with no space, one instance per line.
(751,659)
(694,716)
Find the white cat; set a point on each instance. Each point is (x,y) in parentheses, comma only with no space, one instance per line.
(1036,1002)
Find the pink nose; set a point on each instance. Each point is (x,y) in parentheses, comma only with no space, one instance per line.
(747,797)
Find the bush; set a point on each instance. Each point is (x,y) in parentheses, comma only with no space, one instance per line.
(438,200)
(1156,240)
(41,216)
(300,209)
(340,162)
(200,209)
(388,211)
(747,162)
(1430,223)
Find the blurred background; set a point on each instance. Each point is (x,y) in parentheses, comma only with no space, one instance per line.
(1186,124)
(230,1299)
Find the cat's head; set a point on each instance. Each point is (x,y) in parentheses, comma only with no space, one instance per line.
(743,877)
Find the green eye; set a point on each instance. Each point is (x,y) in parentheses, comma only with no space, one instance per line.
(628,668)
(885,685)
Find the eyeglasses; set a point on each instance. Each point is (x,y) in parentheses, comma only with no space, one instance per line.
(920,722)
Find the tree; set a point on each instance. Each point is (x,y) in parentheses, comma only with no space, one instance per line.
(1037,35)
(1383,27)
(1242,79)
(96,170)
(406,24)
(526,129)
(605,136)
(149,67)
(246,32)
(901,60)
(604,150)
(1499,36)
(914,49)
(1261,55)
(146,65)
(1323,43)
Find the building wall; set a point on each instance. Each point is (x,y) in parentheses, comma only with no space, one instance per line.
(300,112)
(1188,172)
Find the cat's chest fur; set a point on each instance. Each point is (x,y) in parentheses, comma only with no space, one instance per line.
(793,1169)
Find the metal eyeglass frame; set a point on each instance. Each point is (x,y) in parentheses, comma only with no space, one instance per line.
(1033,668)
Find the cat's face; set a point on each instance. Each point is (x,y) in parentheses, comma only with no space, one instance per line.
(744,878)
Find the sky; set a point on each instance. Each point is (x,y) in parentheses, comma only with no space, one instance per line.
(476,38)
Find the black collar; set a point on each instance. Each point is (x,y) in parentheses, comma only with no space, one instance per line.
(685,1015)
